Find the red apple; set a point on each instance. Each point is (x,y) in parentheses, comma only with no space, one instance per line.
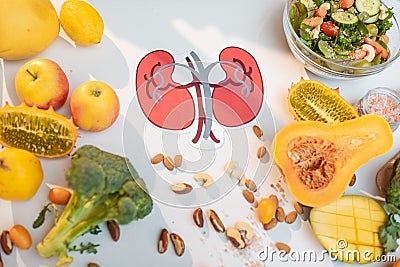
(41,82)
(94,106)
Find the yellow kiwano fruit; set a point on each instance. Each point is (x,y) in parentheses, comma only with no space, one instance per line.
(27,27)
(81,22)
(348,228)
(311,100)
(20,174)
(42,132)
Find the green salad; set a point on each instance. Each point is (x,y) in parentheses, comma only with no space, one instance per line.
(345,31)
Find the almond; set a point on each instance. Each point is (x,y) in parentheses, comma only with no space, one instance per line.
(298,208)
(181,188)
(168,163)
(163,241)
(248,195)
(282,247)
(251,185)
(353,180)
(262,150)
(157,158)
(271,224)
(291,217)
(179,244)
(216,221)
(113,229)
(178,161)
(198,217)
(274,198)
(280,214)
(257,131)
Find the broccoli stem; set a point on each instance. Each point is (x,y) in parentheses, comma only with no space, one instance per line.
(76,220)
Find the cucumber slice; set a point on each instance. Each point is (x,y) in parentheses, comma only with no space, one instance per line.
(344,19)
(326,49)
(372,19)
(369,6)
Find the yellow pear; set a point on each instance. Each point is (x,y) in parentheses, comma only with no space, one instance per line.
(27,27)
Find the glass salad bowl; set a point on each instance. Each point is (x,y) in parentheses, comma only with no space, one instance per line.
(320,60)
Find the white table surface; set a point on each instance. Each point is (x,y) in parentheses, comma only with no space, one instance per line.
(134,28)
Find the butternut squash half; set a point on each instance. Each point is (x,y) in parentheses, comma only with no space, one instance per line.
(318,159)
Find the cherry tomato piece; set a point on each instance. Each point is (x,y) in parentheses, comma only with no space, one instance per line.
(329,28)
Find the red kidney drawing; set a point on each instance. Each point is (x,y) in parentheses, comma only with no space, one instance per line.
(162,103)
(238,98)
(169,105)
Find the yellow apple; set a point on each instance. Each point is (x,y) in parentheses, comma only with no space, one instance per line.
(21,174)
(94,106)
(41,82)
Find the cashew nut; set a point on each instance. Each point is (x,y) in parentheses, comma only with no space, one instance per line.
(206,178)
(230,166)
(238,174)
(246,228)
(382,12)
(370,52)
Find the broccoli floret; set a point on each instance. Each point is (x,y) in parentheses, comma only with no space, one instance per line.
(105,187)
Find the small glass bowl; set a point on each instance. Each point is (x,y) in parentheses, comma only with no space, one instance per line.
(336,70)
(384,102)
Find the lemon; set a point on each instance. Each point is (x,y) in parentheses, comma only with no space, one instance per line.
(81,22)
(27,27)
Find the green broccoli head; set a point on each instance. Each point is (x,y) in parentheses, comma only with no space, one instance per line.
(105,187)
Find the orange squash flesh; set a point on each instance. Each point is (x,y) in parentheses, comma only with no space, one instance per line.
(346,147)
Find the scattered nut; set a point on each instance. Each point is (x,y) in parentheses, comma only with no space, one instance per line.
(178,161)
(20,237)
(283,247)
(230,166)
(1,262)
(168,163)
(248,195)
(216,221)
(157,158)
(198,217)
(274,198)
(262,150)
(113,229)
(163,241)
(291,217)
(271,224)
(59,195)
(257,131)
(206,178)
(235,237)
(251,185)
(6,243)
(181,188)
(298,208)
(245,228)
(92,264)
(280,214)
(353,180)
(238,174)
(255,203)
(179,244)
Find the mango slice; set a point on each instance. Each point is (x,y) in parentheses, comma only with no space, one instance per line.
(348,228)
